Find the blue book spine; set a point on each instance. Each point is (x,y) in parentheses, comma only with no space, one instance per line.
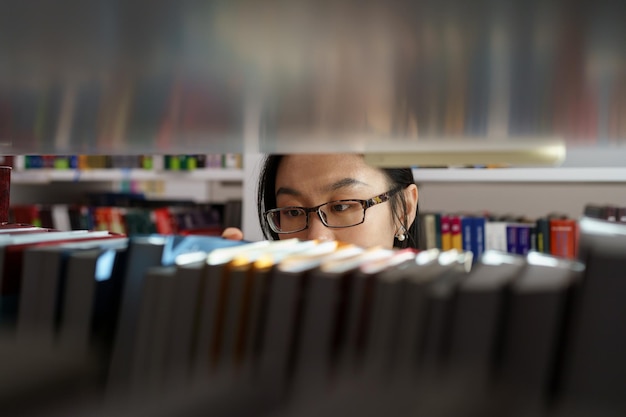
(511,238)
(467,230)
(479,236)
(523,239)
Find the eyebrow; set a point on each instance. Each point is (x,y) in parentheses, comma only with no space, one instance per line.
(342,183)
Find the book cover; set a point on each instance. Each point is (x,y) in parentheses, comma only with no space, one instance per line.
(476,318)
(594,369)
(11,262)
(186,293)
(446,237)
(523,241)
(432,354)
(26,214)
(92,298)
(61,217)
(478,237)
(467,234)
(511,237)
(496,236)
(164,221)
(210,303)
(531,344)
(456,233)
(563,238)
(391,312)
(145,252)
(152,330)
(543,234)
(285,310)
(322,329)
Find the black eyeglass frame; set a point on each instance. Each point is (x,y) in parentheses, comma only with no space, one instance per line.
(379,199)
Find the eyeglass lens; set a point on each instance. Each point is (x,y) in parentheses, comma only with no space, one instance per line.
(334,214)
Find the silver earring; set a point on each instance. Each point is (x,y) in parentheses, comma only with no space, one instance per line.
(400,235)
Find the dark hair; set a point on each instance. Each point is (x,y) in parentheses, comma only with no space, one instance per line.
(397,177)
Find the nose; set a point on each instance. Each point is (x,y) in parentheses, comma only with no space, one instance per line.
(317,230)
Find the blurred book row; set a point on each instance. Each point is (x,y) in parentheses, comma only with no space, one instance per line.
(101,324)
(131,213)
(148,162)
(553,234)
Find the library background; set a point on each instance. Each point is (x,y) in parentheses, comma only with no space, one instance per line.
(135,131)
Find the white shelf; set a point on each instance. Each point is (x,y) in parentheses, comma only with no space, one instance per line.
(558,175)
(39,176)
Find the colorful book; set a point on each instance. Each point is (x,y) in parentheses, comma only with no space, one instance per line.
(563,238)
(446,236)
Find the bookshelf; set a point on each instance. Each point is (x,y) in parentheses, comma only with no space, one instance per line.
(403,82)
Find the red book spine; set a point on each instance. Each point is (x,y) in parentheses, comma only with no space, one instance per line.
(164,221)
(564,238)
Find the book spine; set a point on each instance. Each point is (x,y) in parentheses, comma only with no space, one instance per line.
(511,238)
(446,238)
(456,235)
(563,238)
(523,239)
(467,234)
(543,235)
(479,236)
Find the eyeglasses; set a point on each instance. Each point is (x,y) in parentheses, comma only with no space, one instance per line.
(334,214)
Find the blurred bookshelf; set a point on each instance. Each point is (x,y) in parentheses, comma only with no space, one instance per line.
(412,83)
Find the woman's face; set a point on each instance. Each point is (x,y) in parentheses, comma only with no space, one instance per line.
(311,180)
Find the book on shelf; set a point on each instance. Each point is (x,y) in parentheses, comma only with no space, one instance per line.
(93,286)
(285,310)
(563,237)
(531,343)
(430,230)
(44,282)
(186,294)
(148,354)
(478,232)
(609,212)
(446,234)
(300,319)
(127,214)
(323,314)
(476,318)
(145,252)
(349,355)
(12,249)
(592,366)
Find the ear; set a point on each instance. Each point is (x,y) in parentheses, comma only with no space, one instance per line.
(411,197)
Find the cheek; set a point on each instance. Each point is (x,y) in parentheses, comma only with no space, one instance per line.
(300,235)
(375,231)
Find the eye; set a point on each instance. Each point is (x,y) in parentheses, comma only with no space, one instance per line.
(340,207)
(292,212)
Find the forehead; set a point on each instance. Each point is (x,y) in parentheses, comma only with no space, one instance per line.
(315,172)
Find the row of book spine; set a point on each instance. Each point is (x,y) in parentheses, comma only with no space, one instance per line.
(554,235)
(194,325)
(165,162)
(164,219)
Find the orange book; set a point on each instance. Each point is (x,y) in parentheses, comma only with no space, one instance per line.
(564,238)
(456,236)
(446,238)
(102,218)
(164,221)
